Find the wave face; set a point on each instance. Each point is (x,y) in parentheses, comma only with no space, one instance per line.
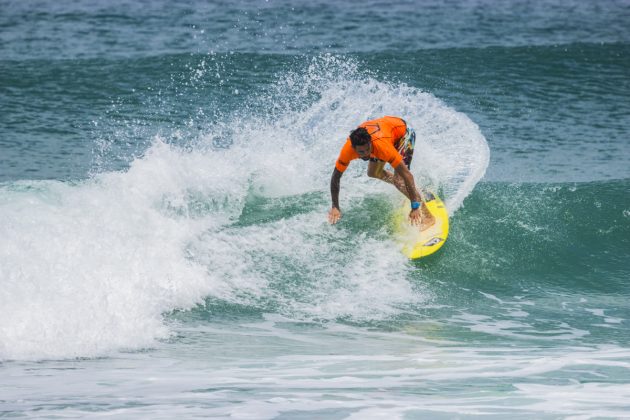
(559,235)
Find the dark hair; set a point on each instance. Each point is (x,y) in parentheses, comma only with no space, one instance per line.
(359,137)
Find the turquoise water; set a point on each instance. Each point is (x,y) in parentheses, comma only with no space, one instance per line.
(164,173)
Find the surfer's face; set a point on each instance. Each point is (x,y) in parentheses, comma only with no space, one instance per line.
(364,150)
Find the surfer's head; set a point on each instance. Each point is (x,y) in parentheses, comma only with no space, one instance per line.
(361,142)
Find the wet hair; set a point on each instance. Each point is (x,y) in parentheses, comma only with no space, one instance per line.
(360,137)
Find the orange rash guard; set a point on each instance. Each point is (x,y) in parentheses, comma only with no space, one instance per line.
(385,133)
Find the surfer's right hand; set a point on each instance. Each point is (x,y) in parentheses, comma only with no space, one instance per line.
(334,215)
(415,217)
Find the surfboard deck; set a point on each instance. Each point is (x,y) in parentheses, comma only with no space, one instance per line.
(416,243)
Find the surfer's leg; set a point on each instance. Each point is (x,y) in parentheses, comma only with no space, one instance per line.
(376,169)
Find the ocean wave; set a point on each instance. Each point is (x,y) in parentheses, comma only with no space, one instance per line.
(92,266)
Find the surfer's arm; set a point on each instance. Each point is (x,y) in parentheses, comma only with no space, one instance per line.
(410,184)
(412,192)
(335,184)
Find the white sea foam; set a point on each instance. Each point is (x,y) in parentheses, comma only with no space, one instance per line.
(92,267)
(353,372)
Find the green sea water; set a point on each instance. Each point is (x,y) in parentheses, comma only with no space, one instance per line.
(164,183)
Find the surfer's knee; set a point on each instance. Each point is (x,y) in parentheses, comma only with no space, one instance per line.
(375,171)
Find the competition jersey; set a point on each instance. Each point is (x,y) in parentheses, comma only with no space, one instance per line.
(385,133)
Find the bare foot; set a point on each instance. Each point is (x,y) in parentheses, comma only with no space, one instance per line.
(428,219)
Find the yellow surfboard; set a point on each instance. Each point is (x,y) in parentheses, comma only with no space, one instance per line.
(416,243)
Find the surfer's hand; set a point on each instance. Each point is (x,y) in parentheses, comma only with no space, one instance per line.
(334,215)
(415,217)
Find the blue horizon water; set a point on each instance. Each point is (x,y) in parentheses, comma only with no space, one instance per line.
(164,181)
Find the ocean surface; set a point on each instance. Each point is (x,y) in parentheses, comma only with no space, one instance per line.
(164,185)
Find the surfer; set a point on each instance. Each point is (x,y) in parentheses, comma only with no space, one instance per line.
(380,141)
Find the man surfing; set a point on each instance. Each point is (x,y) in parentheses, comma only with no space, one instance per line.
(383,140)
